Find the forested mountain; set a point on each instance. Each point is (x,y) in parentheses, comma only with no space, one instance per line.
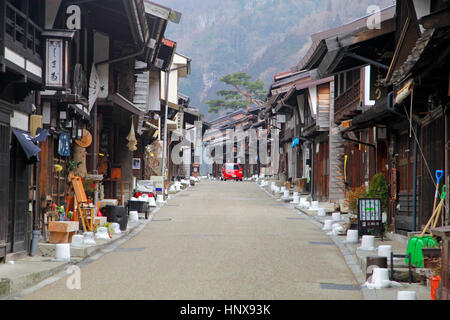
(260,37)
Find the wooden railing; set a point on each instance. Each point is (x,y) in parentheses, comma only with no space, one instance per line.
(22,32)
(347,103)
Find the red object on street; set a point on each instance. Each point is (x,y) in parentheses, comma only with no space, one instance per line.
(434,280)
(231,171)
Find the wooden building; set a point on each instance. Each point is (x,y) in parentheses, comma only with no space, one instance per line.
(21,77)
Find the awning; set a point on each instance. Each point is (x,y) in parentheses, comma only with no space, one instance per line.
(125,104)
(80,110)
(26,141)
(378,114)
(304,85)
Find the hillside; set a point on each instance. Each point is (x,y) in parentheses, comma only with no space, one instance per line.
(261,37)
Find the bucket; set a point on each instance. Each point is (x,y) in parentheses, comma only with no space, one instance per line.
(296,194)
(77,240)
(315,205)
(352,236)
(151,202)
(406,295)
(434,283)
(336,216)
(367,243)
(134,216)
(328,225)
(321,212)
(286,194)
(385,251)
(296,200)
(62,252)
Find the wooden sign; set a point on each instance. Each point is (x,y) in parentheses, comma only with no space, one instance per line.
(86,140)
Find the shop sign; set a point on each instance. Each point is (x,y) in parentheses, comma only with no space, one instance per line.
(54,74)
(64,144)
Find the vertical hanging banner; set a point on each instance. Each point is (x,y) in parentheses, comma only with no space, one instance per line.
(64,144)
(94,87)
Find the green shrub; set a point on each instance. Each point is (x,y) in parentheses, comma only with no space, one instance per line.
(378,189)
(351,198)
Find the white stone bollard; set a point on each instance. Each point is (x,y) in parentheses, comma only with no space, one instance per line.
(77,240)
(102,233)
(367,243)
(406,295)
(352,236)
(134,216)
(321,212)
(385,251)
(380,278)
(296,200)
(88,238)
(328,225)
(116,228)
(62,252)
(336,216)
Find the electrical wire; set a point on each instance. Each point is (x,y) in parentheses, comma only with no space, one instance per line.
(420,148)
(423,156)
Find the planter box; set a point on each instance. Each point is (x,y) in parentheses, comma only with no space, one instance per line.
(62,231)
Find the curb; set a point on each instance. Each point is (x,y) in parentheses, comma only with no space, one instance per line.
(27,281)
(350,258)
(41,279)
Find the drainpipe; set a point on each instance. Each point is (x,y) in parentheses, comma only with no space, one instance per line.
(36,205)
(446,216)
(390,107)
(128,56)
(414,221)
(312,182)
(374,146)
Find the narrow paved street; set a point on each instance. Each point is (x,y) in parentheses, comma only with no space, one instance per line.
(217,240)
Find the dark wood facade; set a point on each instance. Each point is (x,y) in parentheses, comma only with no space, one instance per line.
(21,74)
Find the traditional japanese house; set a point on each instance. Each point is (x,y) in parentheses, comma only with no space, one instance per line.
(21,77)
(305,136)
(347,53)
(418,79)
(231,134)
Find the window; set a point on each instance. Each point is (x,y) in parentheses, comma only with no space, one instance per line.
(231,166)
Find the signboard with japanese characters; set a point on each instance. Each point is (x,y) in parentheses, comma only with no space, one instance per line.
(55,63)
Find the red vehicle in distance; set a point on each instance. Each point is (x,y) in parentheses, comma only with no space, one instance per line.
(231,171)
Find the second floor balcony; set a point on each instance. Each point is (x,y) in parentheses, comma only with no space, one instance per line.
(347,105)
(20,36)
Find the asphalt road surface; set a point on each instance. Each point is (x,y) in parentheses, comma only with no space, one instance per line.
(218,240)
